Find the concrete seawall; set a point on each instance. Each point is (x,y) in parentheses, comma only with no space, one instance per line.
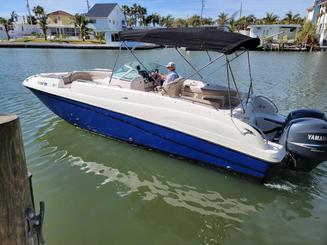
(69,46)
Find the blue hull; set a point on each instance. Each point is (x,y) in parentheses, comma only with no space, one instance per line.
(140,132)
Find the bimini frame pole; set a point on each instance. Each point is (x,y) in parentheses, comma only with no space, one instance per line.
(251,80)
(190,64)
(203,67)
(138,60)
(233,77)
(228,80)
(230,61)
(112,72)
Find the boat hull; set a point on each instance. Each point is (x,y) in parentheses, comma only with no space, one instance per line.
(140,132)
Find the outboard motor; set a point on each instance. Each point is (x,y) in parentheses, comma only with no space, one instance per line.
(305,139)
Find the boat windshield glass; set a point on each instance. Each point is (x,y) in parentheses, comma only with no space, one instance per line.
(129,71)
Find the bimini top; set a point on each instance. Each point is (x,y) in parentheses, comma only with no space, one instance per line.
(201,38)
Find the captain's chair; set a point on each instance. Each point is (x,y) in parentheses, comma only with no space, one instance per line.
(174,89)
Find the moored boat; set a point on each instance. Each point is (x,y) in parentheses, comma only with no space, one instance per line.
(222,126)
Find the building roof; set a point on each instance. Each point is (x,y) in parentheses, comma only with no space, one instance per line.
(101,10)
(60,12)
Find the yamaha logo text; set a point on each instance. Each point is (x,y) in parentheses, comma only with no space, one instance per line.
(317,137)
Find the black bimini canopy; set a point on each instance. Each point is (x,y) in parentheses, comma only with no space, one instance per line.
(201,38)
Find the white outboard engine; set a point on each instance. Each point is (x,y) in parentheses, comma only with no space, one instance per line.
(305,139)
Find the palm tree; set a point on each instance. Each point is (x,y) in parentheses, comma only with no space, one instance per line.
(179,22)
(9,23)
(222,19)
(167,21)
(135,10)
(126,10)
(142,13)
(127,13)
(308,35)
(270,18)
(81,22)
(207,21)
(290,18)
(153,19)
(42,19)
(243,22)
(194,20)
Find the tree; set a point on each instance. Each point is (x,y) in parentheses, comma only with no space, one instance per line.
(9,23)
(142,14)
(81,22)
(291,19)
(135,12)
(270,18)
(42,19)
(153,19)
(308,35)
(207,21)
(167,21)
(194,20)
(138,12)
(222,19)
(127,13)
(243,22)
(179,22)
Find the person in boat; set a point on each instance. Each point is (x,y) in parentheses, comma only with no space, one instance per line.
(168,78)
(171,76)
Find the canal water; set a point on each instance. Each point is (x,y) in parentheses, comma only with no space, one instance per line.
(103,191)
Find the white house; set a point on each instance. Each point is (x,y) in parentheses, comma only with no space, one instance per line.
(3,34)
(317,14)
(275,32)
(108,18)
(322,25)
(20,30)
(23,29)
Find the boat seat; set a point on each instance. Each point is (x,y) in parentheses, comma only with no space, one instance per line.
(85,75)
(215,104)
(174,89)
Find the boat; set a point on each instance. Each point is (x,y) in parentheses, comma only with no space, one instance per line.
(211,124)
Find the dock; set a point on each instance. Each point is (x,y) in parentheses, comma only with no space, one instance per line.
(19,223)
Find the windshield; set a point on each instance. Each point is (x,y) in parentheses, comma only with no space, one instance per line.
(129,71)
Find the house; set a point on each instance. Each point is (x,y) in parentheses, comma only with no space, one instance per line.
(317,14)
(20,30)
(24,29)
(109,19)
(322,26)
(62,23)
(3,34)
(275,32)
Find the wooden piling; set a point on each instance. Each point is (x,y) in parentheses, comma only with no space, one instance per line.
(15,195)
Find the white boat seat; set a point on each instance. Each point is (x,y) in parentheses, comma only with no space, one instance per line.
(174,89)
(215,104)
(85,75)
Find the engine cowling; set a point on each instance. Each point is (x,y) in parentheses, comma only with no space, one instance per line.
(305,139)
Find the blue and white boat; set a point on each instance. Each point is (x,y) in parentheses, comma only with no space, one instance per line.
(220,126)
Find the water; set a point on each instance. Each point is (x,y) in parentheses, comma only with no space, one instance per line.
(102,191)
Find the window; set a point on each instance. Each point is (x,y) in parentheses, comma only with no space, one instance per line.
(1,28)
(123,22)
(115,37)
(93,21)
(109,21)
(113,22)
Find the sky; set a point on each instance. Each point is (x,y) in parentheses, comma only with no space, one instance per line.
(177,8)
